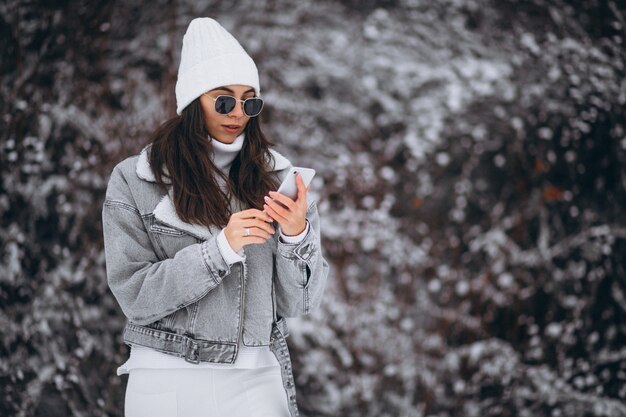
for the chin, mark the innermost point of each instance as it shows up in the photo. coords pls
(228, 139)
(225, 138)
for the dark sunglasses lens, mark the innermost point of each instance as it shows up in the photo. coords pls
(252, 106)
(225, 104)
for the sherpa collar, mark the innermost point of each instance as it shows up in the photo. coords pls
(165, 211)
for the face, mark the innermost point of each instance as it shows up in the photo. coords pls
(226, 127)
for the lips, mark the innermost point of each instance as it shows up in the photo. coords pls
(231, 128)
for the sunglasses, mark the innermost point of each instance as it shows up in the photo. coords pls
(225, 104)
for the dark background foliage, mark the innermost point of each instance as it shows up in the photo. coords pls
(471, 183)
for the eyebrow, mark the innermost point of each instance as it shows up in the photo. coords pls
(231, 91)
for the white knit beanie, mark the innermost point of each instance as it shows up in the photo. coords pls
(211, 57)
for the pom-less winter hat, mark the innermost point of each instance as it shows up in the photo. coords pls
(211, 57)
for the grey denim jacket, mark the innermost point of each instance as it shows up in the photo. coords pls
(178, 293)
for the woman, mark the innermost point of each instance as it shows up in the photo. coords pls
(203, 257)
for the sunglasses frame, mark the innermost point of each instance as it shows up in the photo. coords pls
(243, 103)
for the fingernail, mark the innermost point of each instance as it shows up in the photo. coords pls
(266, 198)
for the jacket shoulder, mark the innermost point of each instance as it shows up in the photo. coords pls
(123, 177)
(127, 166)
(278, 162)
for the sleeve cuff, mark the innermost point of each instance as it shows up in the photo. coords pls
(297, 238)
(229, 255)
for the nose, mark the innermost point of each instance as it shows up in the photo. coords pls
(237, 112)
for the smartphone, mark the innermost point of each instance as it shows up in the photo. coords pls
(289, 186)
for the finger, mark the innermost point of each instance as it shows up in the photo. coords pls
(267, 209)
(244, 214)
(259, 224)
(256, 232)
(254, 213)
(302, 189)
(288, 202)
(276, 216)
(272, 219)
(277, 207)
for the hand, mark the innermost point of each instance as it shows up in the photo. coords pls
(257, 221)
(290, 214)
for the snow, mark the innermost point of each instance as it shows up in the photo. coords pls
(440, 132)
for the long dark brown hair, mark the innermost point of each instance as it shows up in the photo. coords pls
(182, 146)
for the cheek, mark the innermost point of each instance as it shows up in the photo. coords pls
(211, 119)
(208, 110)
(209, 116)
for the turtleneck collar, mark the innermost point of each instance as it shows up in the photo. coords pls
(225, 153)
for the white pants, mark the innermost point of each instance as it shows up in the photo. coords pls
(206, 393)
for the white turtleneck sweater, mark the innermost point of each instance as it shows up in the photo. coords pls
(247, 357)
(224, 155)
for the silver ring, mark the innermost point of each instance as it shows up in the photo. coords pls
(247, 231)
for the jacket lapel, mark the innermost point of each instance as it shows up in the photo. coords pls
(165, 211)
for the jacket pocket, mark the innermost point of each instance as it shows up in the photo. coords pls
(170, 240)
(158, 228)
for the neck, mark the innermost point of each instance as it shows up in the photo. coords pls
(225, 153)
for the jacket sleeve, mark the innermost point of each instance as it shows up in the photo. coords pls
(301, 271)
(146, 288)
